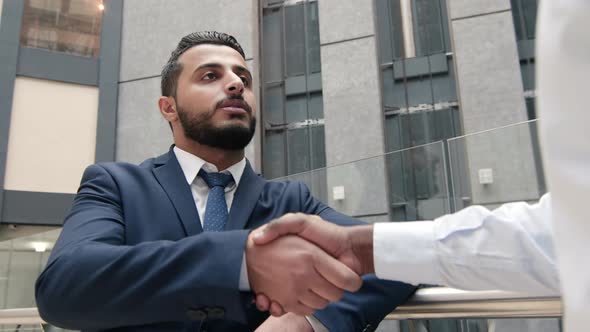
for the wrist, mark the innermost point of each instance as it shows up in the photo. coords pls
(361, 238)
(250, 265)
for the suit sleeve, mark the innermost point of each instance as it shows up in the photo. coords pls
(94, 281)
(365, 309)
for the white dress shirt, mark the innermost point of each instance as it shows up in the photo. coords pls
(191, 165)
(509, 248)
(563, 72)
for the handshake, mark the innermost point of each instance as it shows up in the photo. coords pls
(300, 263)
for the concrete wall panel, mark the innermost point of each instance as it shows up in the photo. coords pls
(153, 28)
(342, 20)
(52, 135)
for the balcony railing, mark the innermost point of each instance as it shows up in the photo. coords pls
(443, 302)
(427, 303)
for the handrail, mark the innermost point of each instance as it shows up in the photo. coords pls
(24, 316)
(443, 302)
(427, 303)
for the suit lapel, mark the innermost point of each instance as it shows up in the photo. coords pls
(245, 198)
(169, 174)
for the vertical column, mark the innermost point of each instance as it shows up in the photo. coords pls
(491, 96)
(108, 80)
(10, 24)
(352, 107)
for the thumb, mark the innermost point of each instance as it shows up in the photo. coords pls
(287, 224)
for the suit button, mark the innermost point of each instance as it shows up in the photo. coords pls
(215, 313)
(369, 328)
(196, 314)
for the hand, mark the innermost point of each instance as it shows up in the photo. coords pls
(352, 246)
(287, 323)
(297, 274)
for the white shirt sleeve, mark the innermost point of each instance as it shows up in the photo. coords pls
(316, 325)
(510, 248)
(244, 283)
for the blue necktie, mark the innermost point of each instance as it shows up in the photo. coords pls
(216, 211)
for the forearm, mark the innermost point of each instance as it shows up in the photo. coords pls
(509, 248)
(286, 323)
(150, 282)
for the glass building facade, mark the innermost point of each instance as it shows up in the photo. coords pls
(292, 109)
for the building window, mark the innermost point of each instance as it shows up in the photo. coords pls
(524, 15)
(417, 71)
(65, 26)
(419, 93)
(292, 106)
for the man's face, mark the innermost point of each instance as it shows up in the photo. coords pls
(214, 97)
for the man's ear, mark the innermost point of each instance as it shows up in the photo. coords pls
(167, 106)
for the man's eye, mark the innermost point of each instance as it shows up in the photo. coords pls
(209, 76)
(245, 80)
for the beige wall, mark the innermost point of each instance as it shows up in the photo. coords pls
(1, 11)
(52, 135)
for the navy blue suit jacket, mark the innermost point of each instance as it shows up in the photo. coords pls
(132, 256)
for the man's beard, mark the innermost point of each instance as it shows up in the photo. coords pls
(200, 128)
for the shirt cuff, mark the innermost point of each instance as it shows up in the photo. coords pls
(244, 285)
(316, 325)
(405, 251)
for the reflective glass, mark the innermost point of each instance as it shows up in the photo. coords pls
(274, 156)
(65, 26)
(295, 40)
(272, 36)
(299, 150)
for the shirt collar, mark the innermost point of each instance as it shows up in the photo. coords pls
(191, 165)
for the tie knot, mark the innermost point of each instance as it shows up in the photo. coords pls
(215, 179)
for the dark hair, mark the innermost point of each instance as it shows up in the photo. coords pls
(172, 69)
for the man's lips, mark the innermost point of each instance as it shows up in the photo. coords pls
(233, 110)
(234, 106)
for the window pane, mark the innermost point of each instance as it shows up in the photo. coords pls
(445, 26)
(273, 105)
(64, 26)
(295, 40)
(274, 154)
(393, 91)
(318, 146)
(397, 29)
(394, 133)
(444, 87)
(296, 108)
(527, 70)
(529, 8)
(419, 91)
(316, 106)
(272, 47)
(299, 154)
(428, 27)
(517, 19)
(384, 31)
(313, 37)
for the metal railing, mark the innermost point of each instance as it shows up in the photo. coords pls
(24, 316)
(443, 302)
(427, 303)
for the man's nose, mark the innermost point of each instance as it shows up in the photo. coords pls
(235, 87)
